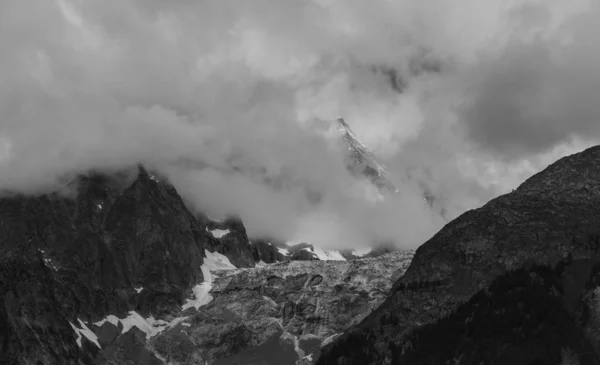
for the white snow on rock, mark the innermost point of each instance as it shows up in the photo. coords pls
(218, 233)
(261, 263)
(114, 320)
(283, 251)
(85, 331)
(135, 320)
(150, 326)
(324, 255)
(215, 261)
(138, 290)
(201, 291)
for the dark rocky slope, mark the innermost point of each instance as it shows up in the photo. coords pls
(232, 241)
(265, 251)
(527, 316)
(64, 259)
(553, 214)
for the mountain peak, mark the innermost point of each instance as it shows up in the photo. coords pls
(362, 160)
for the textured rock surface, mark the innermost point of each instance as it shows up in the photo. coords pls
(362, 161)
(551, 215)
(82, 257)
(233, 243)
(525, 317)
(259, 313)
(265, 251)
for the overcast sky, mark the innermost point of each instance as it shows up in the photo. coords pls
(463, 98)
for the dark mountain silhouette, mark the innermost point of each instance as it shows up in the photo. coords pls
(554, 214)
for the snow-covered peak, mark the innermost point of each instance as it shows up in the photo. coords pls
(362, 160)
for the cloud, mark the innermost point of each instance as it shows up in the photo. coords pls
(459, 100)
(537, 93)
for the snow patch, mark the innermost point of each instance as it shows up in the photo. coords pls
(85, 331)
(114, 320)
(215, 261)
(261, 263)
(135, 320)
(283, 251)
(218, 233)
(138, 290)
(150, 326)
(328, 255)
(201, 291)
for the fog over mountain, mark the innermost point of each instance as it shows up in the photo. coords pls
(228, 99)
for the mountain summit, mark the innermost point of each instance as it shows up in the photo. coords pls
(362, 161)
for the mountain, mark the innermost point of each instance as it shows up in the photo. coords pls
(118, 245)
(117, 270)
(551, 217)
(362, 161)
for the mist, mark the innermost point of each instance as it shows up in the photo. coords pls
(459, 100)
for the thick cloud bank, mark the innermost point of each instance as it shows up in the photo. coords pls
(461, 100)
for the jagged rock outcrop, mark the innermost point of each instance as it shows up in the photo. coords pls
(229, 238)
(362, 161)
(551, 215)
(265, 251)
(257, 315)
(301, 252)
(118, 244)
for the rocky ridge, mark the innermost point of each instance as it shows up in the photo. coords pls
(362, 161)
(121, 243)
(550, 217)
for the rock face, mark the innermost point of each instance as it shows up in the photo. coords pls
(362, 161)
(282, 313)
(64, 259)
(265, 251)
(550, 216)
(302, 252)
(229, 238)
(524, 317)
